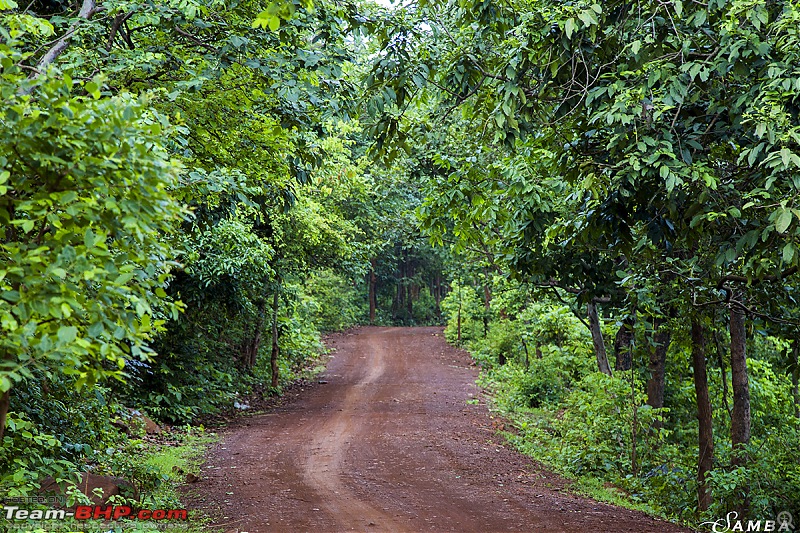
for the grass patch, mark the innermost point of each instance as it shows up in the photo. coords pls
(601, 491)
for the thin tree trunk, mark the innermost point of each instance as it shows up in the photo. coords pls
(259, 329)
(252, 344)
(273, 357)
(398, 304)
(410, 301)
(657, 366)
(796, 378)
(623, 343)
(5, 402)
(373, 282)
(723, 372)
(437, 294)
(487, 304)
(597, 339)
(740, 416)
(634, 426)
(487, 301)
(705, 459)
(527, 355)
(459, 314)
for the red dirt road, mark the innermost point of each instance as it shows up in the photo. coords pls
(389, 444)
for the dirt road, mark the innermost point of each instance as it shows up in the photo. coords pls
(390, 444)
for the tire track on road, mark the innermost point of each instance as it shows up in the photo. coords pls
(324, 464)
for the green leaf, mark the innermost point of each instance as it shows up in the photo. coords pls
(785, 156)
(93, 89)
(783, 221)
(88, 238)
(96, 329)
(788, 252)
(588, 17)
(569, 27)
(67, 334)
(10, 296)
(123, 279)
(699, 18)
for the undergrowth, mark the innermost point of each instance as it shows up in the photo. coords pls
(157, 468)
(539, 372)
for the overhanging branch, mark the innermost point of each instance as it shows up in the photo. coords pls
(743, 279)
(88, 8)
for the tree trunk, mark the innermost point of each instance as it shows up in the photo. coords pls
(597, 339)
(634, 426)
(740, 416)
(251, 347)
(459, 315)
(796, 378)
(527, 355)
(487, 301)
(437, 295)
(273, 357)
(657, 366)
(373, 283)
(487, 304)
(705, 458)
(5, 402)
(398, 304)
(623, 344)
(722, 372)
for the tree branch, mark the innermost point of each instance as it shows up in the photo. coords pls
(196, 40)
(572, 310)
(88, 8)
(743, 279)
(116, 26)
(126, 33)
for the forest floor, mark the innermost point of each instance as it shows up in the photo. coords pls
(391, 439)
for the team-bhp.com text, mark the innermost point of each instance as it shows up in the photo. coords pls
(95, 512)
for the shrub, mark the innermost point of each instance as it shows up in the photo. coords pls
(330, 301)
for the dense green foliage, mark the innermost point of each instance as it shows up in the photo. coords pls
(192, 193)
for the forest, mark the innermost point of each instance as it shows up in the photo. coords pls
(599, 201)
